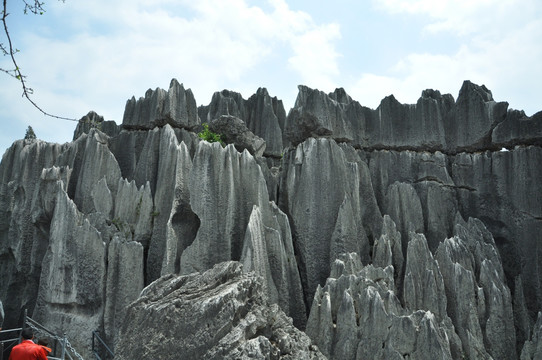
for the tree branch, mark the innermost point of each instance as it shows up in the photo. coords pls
(16, 73)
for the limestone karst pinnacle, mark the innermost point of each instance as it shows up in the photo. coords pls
(404, 231)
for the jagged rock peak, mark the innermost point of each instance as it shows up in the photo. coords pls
(468, 89)
(317, 114)
(94, 121)
(176, 107)
(263, 115)
(432, 94)
(435, 123)
(340, 96)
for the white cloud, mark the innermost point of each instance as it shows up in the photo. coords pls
(315, 57)
(504, 56)
(461, 17)
(108, 51)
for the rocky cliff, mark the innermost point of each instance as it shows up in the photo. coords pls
(406, 231)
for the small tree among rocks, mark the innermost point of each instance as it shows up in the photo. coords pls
(30, 135)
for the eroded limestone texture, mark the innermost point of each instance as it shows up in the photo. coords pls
(84, 226)
(220, 314)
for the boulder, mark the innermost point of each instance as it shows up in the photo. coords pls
(219, 314)
(234, 131)
(262, 114)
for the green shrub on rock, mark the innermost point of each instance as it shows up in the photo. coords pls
(210, 136)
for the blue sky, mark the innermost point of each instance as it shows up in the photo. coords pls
(95, 55)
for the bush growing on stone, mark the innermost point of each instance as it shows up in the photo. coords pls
(210, 136)
(30, 135)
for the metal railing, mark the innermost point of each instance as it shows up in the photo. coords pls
(61, 347)
(100, 348)
(10, 341)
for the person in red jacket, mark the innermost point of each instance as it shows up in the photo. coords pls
(27, 349)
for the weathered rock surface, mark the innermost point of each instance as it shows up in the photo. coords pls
(316, 114)
(22, 245)
(72, 276)
(434, 123)
(171, 200)
(1, 314)
(232, 229)
(263, 115)
(320, 191)
(469, 123)
(460, 295)
(532, 350)
(176, 107)
(97, 163)
(269, 252)
(123, 284)
(93, 120)
(357, 315)
(219, 314)
(223, 207)
(234, 131)
(501, 189)
(122, 206)
(518, 129)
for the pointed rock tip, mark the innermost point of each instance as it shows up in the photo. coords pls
(469, 87)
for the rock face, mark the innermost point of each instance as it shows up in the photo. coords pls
(357, 315)
(219, 314)
(234, 131)
(455, 304)
(93, 120)
(73, 274)
(347, 219)
(176, 107)
(435, 122)
(263, 115)
(321, 194)
(480, 303)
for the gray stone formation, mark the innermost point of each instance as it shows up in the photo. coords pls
(405, 231)
(221, 313)
(234, 131)
(262, 114)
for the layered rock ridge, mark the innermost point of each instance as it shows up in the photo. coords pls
(475, 122)
(349, 219)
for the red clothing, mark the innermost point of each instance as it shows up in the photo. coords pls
(46, 350)
(27, 350)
